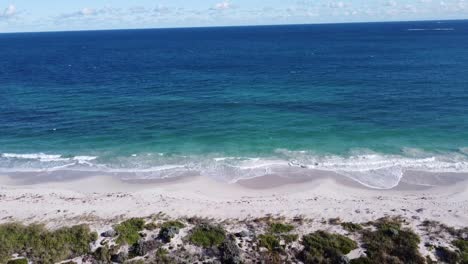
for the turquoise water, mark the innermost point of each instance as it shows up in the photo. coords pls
(369, 101)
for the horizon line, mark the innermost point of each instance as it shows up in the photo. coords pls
(233, 26)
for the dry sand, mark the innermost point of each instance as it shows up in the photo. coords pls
(101, 200)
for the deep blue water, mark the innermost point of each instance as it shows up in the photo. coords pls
(344, 97)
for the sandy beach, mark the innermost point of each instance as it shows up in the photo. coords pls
(102, 200)
(234, 132)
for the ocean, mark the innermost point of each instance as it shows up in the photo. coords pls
(368, 101)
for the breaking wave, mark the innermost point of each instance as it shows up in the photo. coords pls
(374, 170)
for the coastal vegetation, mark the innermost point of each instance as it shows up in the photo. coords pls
(270, 242)
(128, 231)
(41, 245)
(279, 228)
(390, 243)
(163, 240)
(351, 227)
(169, 229)
(18, 261)
(206, 235)
(323, 247)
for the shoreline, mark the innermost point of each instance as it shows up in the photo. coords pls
(99, 200)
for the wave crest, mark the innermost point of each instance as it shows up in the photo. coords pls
(374, 170)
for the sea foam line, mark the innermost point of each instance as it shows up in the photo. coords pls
(46, 157)
(374, 170)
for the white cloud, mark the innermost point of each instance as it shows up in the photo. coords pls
(9, 12)
(223, 5)
(391, 3)
(410, 8)
(338, 4)
(461, 4)
(138, 10)
(87, 11)
(225, 12)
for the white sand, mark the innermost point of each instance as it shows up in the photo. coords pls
(101, 200)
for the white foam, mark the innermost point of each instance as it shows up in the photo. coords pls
(431, 29)
(224, 158)
(47, 157)
(34, 156)
(84, 158)
(375, 170)
(383, 178)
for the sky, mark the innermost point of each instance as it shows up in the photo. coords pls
(64, 15)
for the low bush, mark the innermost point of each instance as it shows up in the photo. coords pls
(129, 231)
(321, 241)
(462, 246)
(351, 227)
(18, 261)
(206, 236)
(40, 245)
(389, 243)
(447, 256)
(270, 242)
(323, 247)
(162, 257)
(289, 238)
(176, 224)
(277, 232)
(279, 228)
(103, 254)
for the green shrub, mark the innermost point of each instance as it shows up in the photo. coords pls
(323, 247)
(151, 226)
(103, 254)
(169, 229)
(389, 243)
(447, 256)
(18, 261)
(351, 227)
(278, 228)
(129, 231)
(269, 242)
(462, 246)
(271, 258)
(206, 236)
(176, 224)
(320, 242)
(43, 246)
(289, 238)
(162, 257)
(361, 260)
